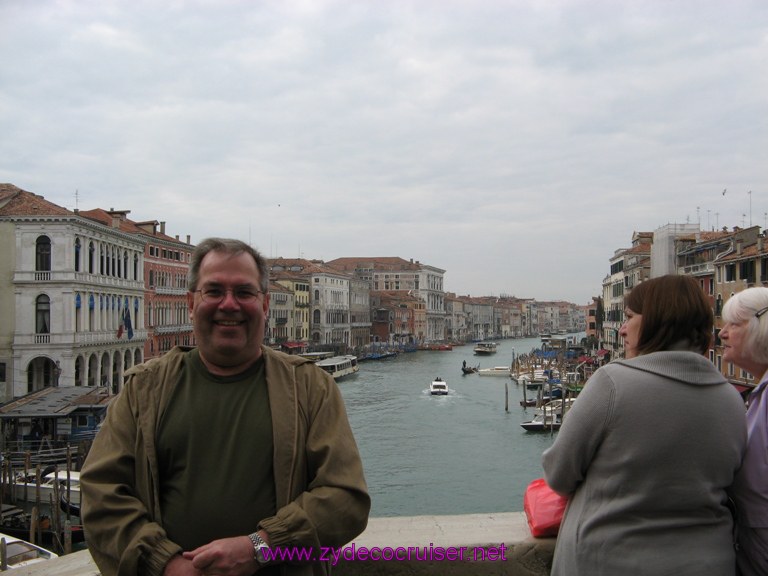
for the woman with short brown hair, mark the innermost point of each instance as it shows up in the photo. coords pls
(649, 448)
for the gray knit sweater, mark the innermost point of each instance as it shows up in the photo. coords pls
(647, 452)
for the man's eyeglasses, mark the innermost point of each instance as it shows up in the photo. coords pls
(761, 312)
(217, 295)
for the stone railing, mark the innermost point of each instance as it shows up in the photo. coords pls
(476, 544)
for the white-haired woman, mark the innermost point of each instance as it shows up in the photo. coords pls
(745, 343)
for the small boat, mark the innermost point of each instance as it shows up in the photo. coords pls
(496, 371)
(25, 486)
(485, 348)
(537, 377)
(439, 346)
(438, 387)
(548, 417)
(378, 356)
(339, 366)
(19, 553)
(71, 508)
(470, 369)
(543, 397)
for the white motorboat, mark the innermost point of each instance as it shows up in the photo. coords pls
(495, 371)
(485, 348)
(438, 387)
(17, 553)
(339, 366)
(25, 487)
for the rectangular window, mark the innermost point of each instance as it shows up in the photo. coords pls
(2, 371)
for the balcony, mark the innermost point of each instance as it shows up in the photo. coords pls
(75, 339)
(170, 291)
(172, 329)
(696, 269)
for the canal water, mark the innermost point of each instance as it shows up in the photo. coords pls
(455, 454)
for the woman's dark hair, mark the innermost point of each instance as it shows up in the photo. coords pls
(674, 312)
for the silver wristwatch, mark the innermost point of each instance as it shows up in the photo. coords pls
(258, 549)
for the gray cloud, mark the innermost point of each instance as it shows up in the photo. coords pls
(514, 144)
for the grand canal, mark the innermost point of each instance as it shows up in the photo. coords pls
(456, 454)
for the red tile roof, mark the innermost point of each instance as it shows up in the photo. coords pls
(17, 202)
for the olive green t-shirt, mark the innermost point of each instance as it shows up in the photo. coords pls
(215, 450)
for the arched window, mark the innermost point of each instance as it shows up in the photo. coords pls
(135, 267)
(43, 254)
(91, 252)
(316, 317)
(125, 264)
(77, 254)
(43, 315)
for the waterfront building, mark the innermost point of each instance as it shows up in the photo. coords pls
(85, 294)
(530, 318)
(663, 255)
(637, 260)
(480, 318)
(512, 318)
(393, 273)
(455, 319)
(613, 296)
(595, 319)
(397, 318)
(359, 312)
(280, 321)
(166, 264)
(329, 291)
(299, 286)
(70, 296)
(743, 265)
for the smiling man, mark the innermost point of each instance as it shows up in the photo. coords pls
(211, 454)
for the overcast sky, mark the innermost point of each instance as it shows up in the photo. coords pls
(514, 144)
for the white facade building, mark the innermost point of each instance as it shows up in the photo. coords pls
(71, 294)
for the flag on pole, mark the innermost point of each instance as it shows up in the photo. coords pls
(120, 329)
(127, 322)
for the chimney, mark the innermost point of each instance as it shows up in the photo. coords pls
(162, 227)
(760, 240)
(738, 246)
(188, 239)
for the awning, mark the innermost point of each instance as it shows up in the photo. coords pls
(292, 345)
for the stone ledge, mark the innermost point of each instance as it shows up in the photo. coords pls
(480, 536)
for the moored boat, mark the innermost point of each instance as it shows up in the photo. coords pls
(549, 417)
(339, 366)
(25, 486)
(485, 348)
(495, 371)
(19, 553)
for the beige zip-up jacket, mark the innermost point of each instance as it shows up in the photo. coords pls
(322, 497)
